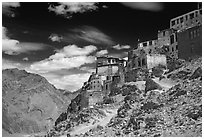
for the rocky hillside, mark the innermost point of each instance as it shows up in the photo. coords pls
(170, 106)
(30, 104)
(176, 112)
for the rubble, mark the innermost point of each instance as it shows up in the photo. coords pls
(151, 85)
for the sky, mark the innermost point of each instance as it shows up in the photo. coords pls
(60, 41)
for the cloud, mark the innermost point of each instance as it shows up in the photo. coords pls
(57, 69)
(8, 64)
(61, 63)
(147, 6)
(8, 8)
(14, 47)
(66, 9)
(73, 50)
(70, 82)
(90, 34)
(55, 38)
(69, 57)
(120, 47)
(101, 53)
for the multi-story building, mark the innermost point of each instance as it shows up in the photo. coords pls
(190, 42)
(109, 68)
(95, 82)
(140, 59)
(148, 46)
(184, 21)
(167, 43)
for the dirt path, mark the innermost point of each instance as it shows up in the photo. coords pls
(102, 122)
(165, 83)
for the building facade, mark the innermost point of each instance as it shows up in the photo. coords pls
(95, 82)
(184, 21)
(190, 42)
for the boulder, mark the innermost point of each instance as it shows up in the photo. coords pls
(151, 85)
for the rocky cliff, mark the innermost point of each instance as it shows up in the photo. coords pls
(30, 104)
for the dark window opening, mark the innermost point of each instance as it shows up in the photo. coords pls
(181, 19)
(177, 21)
(150, 42)
(196, 14)
(172, 39)
(143, 62)
(191, 15)
(90, 95)
(173, 22)
(144, 44)
(163, 33)
(200, 11)
(109, 60)
(139, 63)
(176, 47)
(186, 17)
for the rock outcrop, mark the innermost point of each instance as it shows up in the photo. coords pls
(30, 104)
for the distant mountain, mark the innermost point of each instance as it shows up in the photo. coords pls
(30, 104)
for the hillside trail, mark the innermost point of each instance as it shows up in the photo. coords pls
(83, 128)
(165, 83)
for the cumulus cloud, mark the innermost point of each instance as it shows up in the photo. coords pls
(8, 64)
(120, 47)
(71, 82)
(69, 57)
(66, 9)
(8, 8)
(148, 6)
(55, 38)
(73, 50)
(102, 52)
(91, 34)
(61, 63)
(14, 47)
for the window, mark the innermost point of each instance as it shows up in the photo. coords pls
(173, 22)
(191, 15)
(150, 42)
(145, 44)
(143, 62)
(139, 63)
(196, 14)
(176, 47)
(172, 39)
(109, 60)
(186, 17)
(177, 21)
(172, 49)
(200, 11)
(181, 19)
(163, 33)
